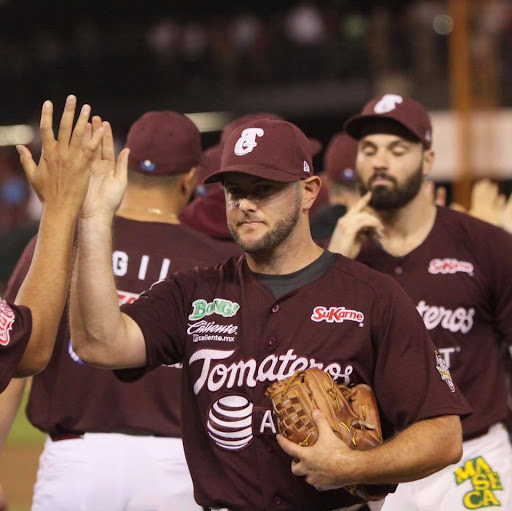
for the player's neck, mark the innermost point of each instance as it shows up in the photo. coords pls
(151, 206)
(408, 227)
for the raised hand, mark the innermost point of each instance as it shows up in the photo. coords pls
(354, 227)
(487, 203)
(61, 177)
(108, 175)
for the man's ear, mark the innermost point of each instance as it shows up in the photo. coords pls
(311, 187)
(428, 162)
(189, 182)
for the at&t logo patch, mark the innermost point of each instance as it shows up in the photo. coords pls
(337, 315)
(230, 422)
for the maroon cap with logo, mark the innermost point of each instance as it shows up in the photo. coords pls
(163, 143)
(403, 110)
(269, 148)
(212, 156)
(340, 159)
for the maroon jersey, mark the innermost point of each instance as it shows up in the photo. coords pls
(460, 279)
(234, 339)
(70, 397)
(15, 330)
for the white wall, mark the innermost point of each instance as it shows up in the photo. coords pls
(490, 149)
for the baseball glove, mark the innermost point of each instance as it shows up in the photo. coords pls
(351, 412)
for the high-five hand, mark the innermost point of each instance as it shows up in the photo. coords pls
(61, 178)
(108, 175)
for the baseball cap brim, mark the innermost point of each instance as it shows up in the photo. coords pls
(355, 125)
(271, 174)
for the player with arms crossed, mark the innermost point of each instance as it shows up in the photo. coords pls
(284, 305)
(457, 271)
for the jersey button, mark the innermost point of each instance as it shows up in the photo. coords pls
(275, 308)
(278, 500)
(269, 448)
(272, 341)
(399, 270)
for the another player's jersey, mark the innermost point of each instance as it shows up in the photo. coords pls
(460, 279)
(70, 397)
(15, 330)
(234, 339)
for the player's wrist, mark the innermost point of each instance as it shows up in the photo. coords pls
(97, 216)
(62, 212)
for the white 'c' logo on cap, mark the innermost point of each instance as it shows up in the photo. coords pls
(247, 141)
(387, 103)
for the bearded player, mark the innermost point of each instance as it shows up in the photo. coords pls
(284, 305)
(457, 271)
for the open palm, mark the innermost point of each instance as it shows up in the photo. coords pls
(108, 175)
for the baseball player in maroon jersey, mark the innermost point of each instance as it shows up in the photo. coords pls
(285, 305)
(27, 329)
(340, 178)
(457, 271)
(120, 444)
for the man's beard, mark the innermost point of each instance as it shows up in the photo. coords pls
(273, 238)
(396, 197)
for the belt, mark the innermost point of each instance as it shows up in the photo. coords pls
(64, 436)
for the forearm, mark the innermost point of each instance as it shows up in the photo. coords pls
(95, 318)
(10, 400)
(45, 287)
(419, 451)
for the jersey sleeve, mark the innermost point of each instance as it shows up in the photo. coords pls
(15, 330)
(160, 314)
(412, 382)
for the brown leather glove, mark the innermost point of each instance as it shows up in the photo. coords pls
(352, 413)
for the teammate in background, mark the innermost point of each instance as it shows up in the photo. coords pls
(282, 306)
(341, 180)
(487, 203)
(457, 271)
(120, 444)
(27, 328)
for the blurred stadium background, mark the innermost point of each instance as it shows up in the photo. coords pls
(315, 63)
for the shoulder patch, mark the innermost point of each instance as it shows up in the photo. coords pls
(7, 319)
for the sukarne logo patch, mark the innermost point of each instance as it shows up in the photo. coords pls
(449, 266)
(336, 315)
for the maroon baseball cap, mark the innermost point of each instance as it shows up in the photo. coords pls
(340, 158)
(212, 156)
(163, 143)
(269, 148)
(407, 112)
